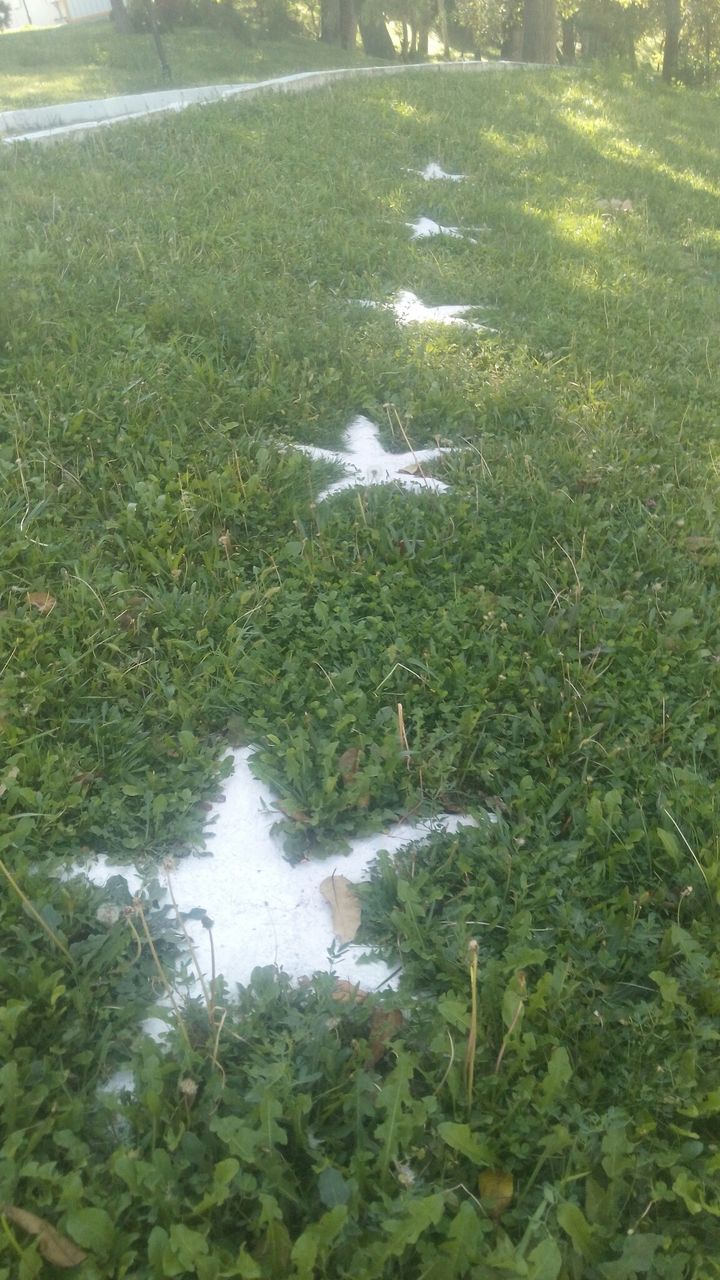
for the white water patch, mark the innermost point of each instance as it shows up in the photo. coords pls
(424, 228)
(409, 309)
(366, 462)
(265, 911)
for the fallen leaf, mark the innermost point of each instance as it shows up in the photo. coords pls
(346, 992)
(412, 469)
(41, 600)
(10, 776)
(345, 907)
(55, 1248)
(348, 764)
(496, 1191)
(295, 815)
(129, 616)
(384, 1025)
(699, 543)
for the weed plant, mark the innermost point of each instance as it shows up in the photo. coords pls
(177, 304)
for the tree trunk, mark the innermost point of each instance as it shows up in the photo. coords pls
(120, 17)
(374, 34)
(568, 41)
(330, 21)
(671, 51)
(539, 31)
(511, 47)
(348, 24)
(442, 22)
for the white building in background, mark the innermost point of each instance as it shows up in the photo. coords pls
(48, 13)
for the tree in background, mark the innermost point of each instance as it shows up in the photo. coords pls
(701, 39)
(684, 34)
(539, 31)
(120, 16)
(671, 48)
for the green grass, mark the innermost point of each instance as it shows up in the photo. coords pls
(90, 60)
(176, 307)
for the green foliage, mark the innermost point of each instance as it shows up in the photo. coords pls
(549, 625)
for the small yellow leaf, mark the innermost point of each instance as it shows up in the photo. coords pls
(41, 600)
(496, 1191)
(345, 907)
(55, 1248)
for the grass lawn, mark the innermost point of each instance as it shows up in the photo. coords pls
(178, 304)
(90, 60)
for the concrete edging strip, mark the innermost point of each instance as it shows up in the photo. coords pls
(46, 124)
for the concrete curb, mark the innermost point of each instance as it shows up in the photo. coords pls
(74, 119)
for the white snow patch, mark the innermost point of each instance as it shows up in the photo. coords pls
(434, 173)
(409, 309)
(367, 462)
(423, 228)
(265, 911)
(122, 1081)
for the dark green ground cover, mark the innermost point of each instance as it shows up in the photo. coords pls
(176, 307)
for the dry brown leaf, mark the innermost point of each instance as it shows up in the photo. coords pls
(348, 992)
(496, 1191)
(384, 1025)
(10, 776)
(41, 600)
(412, 469)
(295, 815)
(345, 907)
(699, 543)
(55, 1248)
(128, 618)
(348, 764)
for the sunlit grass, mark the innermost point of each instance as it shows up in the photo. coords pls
(90, 60)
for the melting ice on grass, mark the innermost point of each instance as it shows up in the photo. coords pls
(366, 462)
(264, 911)
(410, 310)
